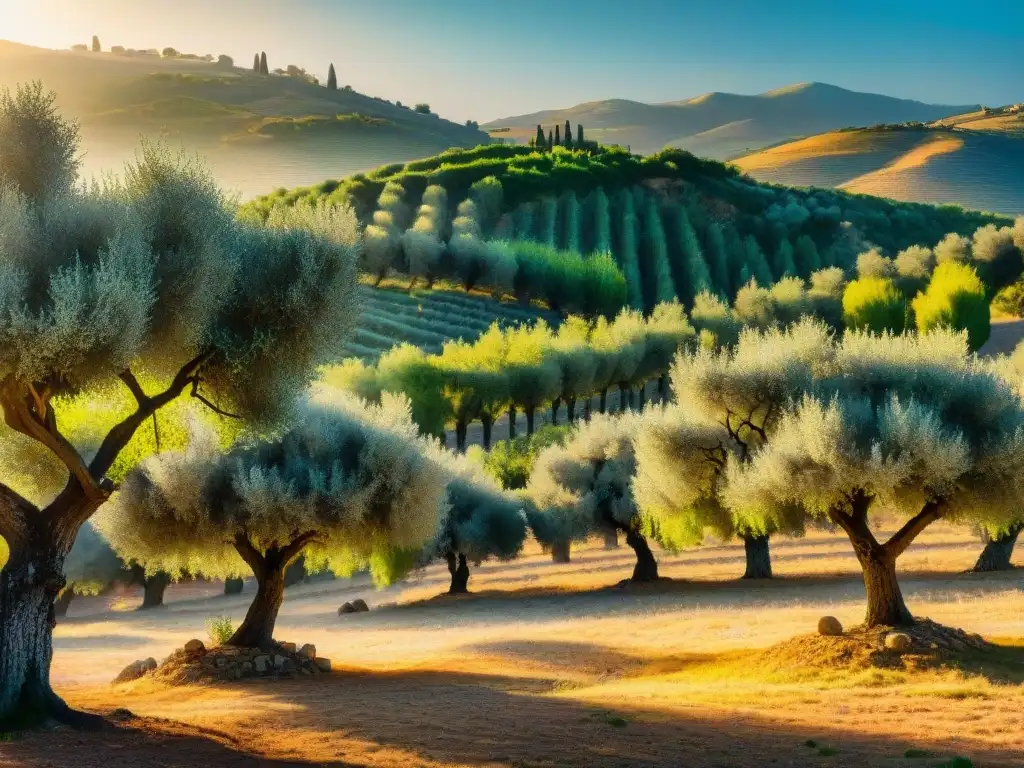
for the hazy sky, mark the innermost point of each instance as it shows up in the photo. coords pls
(485, 59)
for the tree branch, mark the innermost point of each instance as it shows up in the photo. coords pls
(207, 403)
(119, 436)
(133, 386)
(294, 549)
(27, 412)
(905, 536)
(252, 556)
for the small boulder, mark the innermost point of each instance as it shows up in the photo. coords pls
(346, 608)
(898, 641)
(194, 646)
(829, 626)
(134, 671)
(360, 605)
(260, 663)
(308, 651)
(324, 665)
(287, 647)
(279, 661)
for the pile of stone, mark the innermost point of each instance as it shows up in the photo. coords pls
(924, 636)
(196, 663)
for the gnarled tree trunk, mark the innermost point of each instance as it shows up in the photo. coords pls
(233, 586)
(257, 629)
(560, 552)
(461, 428)
(759, 559)
(459, 570)
(529, 420)
(570, 410)
(512, 422)
(588, 407)
(646, 568)
(153, 591)
(998, 551)
(556, 405)
(603, 402)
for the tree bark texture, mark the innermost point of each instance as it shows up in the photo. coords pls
(60, 607)
(998, 552)
(759, 559)
(560, 552)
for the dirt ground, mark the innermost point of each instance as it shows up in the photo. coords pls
(546, 665)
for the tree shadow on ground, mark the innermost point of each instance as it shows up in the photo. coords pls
(435, 718)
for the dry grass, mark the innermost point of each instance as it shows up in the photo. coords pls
(919, 156)
(547, 665)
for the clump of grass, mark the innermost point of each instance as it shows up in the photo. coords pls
(220, 629)
(916, 753)
(616, 722)
(828, 751)
(811, 743)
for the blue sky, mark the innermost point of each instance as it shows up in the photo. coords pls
(484, 59)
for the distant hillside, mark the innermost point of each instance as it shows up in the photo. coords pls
(726, 125)
(982, 170)
(257, 132)
(1008, 120)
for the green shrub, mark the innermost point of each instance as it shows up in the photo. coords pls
(955, 298)
(511, 461)
(874, 304)
(220, 629)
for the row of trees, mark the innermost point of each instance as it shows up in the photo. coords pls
(524, 369)
(557, 138)
(793, 428)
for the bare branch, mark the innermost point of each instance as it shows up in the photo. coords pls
(905, 536)
(133, 386)
(294, 549)
(252, 556)
(119, 436)
(208, 404)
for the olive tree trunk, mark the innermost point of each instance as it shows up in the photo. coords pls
(461, 428)
(512, 422)
(759, 559)
(459, 570)
(625, 397)
(603, 402)
(588, 407)
(257, 628)
(560, 552)
(641, 397)
(998, 551)
(487, 421)
(529, 420)
(646, 568)
(556, 406)
(570, 410)
(153, 590)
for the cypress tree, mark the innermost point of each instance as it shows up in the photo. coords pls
(548, 221)
(784, 265)
(579, 135)
(569, 239)
(568, 134)
(602, 222)
(551, 139)
(806, 256)
(656, 252)
(540, 141)
(756, 264)
(332, 79)
(256, 63)
(718, 259)
(558, 138)
(628, 259)
(264, 69)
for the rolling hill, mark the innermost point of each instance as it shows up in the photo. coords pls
(256, 132)
(726, 125)
(979, 169)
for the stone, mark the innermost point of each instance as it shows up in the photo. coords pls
(324, 665)
(308, 651)
(287, 647)
(829, 626)
(360, 605)
(247, 667)
(220, 661)
(898, 641)
(346, 608)
(279, 661)
(135, 670)
(194, 646)
(260, 663)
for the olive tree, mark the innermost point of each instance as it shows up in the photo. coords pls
(143, 274)
(534, 377)
(91, 566)
(590, 478)
(915, 425)
(382, 240)
(742, 392)
(423, 243)
(578, 364)
(347, 486)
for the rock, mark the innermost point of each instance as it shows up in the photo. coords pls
(260, 663)
(135, 670)
(247, 667)
(360, 605)
(346, 608)
(220, 661)
(308, 651)
(324, 665)
(898, 641)
(829, 626)
(279, 661)
(194, 646)
(287, 647)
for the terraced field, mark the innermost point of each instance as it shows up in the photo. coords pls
(974, 169)
(429, 318)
